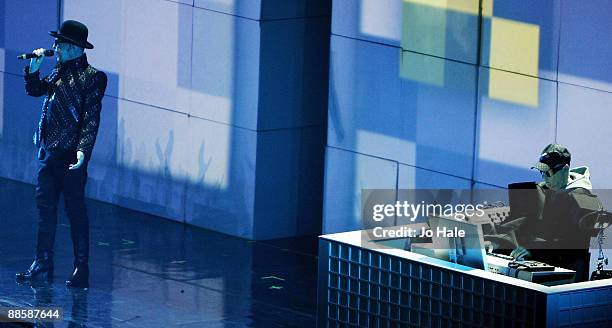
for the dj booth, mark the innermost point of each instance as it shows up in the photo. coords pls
(367, 284)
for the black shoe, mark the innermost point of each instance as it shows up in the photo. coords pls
(79, 278)
(40, 270)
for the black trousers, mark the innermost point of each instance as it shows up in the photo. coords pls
(54, 178)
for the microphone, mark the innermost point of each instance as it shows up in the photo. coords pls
(48, 53)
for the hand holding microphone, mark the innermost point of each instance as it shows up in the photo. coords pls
(36, 58)
(46, 53)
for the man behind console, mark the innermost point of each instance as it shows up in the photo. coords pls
(558, 236)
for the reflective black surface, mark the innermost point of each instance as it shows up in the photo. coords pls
(151, 272)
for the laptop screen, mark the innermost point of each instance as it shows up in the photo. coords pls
(525, 199)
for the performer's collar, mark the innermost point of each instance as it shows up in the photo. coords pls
(79, 62)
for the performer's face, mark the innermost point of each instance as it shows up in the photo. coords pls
(62, 51)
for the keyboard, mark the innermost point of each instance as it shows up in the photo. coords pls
(532, 271)
(493, 216)
(497, 215)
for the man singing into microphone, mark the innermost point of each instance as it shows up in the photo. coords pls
(65, 136)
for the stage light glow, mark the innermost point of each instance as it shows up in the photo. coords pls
(374, 18)
(363, 179)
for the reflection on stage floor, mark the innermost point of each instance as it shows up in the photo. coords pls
(147, 271)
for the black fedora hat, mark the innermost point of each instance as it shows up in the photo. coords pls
(73, 32)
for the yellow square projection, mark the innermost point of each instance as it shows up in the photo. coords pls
(424, 26)
(514, 46)
(422, 68)
(463, 6)
(487, 8)
(514, 88)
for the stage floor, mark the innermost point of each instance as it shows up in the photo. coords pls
(148, 271)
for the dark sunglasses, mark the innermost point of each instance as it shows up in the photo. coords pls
(547, 173)
(58, 42)
(552, 171)
(549, 158)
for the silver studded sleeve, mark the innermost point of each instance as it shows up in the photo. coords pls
(91, 113)
(34, 86)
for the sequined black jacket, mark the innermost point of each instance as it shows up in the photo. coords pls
(71, 110)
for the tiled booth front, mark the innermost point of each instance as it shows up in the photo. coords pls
(362, 285)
